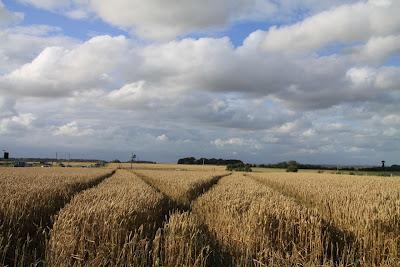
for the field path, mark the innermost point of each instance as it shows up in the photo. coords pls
(181, 205)
(181, 198)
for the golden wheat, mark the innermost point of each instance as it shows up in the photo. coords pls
(182, 242)
(257, 226)
(368, 208)
(166, 167)
(29, 198)
(105, 225)
(181, 186)
(166, 217)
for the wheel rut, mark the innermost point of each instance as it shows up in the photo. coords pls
(215, 258)
(341, 239)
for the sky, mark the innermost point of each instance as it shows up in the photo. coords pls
(317, 81)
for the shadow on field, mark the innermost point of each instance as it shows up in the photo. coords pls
(339, 243)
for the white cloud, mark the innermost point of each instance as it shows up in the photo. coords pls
(22, 44)
(286, 128)
(59, 71)
(344, 24)
(361, 76)
(380, 78)
(391, 119)
(72, 129)
(309, 133)
(237, 142)
(231, 141)
(19, 122)
(162, 138)
(268, 106)
(160, 20)
(377, 49)
(135, 96)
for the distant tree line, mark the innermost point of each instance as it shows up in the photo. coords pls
(292, 164)
(52, 159)
(391, 168)
(136, 161)
(205, 161)
(239, 167)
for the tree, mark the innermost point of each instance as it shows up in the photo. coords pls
(292, 166)
(239, 167)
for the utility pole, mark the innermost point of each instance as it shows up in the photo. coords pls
(133, 157)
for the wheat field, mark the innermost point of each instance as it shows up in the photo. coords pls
(173, 215)
(29, 199)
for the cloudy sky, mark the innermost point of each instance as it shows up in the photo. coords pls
(316, 81)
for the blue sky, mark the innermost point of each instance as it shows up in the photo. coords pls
(263, 81)
(85, 28)
(80, 29)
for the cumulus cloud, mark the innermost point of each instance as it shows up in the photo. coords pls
(377, 49)
(160, 20)
(21, 44)
(157, 19)
(162, 138)
(73, 129)
(371, 18)
(206, 95)
(20, 122)
(58, 71)
(380, 78)
(237, 142)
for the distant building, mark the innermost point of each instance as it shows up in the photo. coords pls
(6, 155)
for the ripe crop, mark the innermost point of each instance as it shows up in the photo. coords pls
(171, 215)
(181, 186)
(105, 225)
(367, 208)
(29, 199)
(254, 225)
